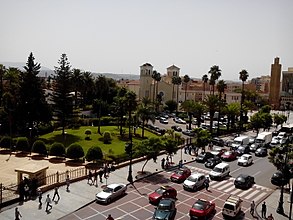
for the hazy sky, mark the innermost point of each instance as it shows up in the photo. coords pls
(119, 36)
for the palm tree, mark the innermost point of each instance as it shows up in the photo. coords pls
(212, 102)
(174, 78)
(2, 72)
(205, 80)
(243, 76)
(232, 111)
(221, 86)
(188, 106)
(157, 77)
(177, 81)
(199, 109)
(215, 74)
(186, 80)
(145, 113)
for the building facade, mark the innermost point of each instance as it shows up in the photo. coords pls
(274, 95)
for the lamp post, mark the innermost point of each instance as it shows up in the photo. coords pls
(280, 209)
(30, 141)
(129, 149)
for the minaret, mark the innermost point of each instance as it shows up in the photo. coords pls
(146, 71)
(275, 84)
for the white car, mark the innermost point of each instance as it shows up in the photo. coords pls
(111, 192)
(245, 160)
(275, 141)
(194, 181)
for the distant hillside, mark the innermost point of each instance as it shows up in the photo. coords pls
(45, 71)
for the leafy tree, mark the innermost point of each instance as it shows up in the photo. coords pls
(107, 137)
(39, 147)
(119, 107)
(2, 72)
(215, 74)
(63, 103)
(22, 144)
(87, 89)
(199, 109)
(170, 105)
(202, 138)
(149, 149)
(76, 83)
(5, 142)
(186, 80)
(74, 151)
(265, 109)
(57, 149)
(94, 154)
(171, 147)
(256, 121)
(131, 105)
(279, 119)
(32, 107)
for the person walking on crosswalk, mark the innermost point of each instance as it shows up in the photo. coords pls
(252, 207)
(207, 183)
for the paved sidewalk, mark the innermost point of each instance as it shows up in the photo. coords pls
(81, 194)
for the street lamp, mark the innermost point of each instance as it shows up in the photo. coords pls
(128, 149)
(284, 170)
(30, 129)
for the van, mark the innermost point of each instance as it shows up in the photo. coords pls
(242, 140)
(220, 171)
(264, 139)
(232, 207)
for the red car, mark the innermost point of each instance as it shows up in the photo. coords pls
(202, 209)
(162, 192)
(180, 175)
(229, 155)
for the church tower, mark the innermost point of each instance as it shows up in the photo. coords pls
(146, 71)
(275, 84)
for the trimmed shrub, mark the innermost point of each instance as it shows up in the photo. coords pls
(74, 151)
(39, 147)
(22, 144)
(107, 137)
(57, 149)
(6, 142)
(94, 154)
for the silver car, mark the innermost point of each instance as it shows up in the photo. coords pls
(111, 192)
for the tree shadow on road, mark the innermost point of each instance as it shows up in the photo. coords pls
(155, 179)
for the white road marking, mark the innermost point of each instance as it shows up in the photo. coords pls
(245, 192)
(252, 194)
(259, 197)
(225, 186)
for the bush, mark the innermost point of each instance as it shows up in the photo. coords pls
(57, 149)
(74, 151)
(22, 144)
(45, 128)
(39, 147)
(94, 153)
(6, 142)
(107, 137)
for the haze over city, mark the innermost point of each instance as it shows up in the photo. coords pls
(119, 36)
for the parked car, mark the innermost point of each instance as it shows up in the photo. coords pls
(251, 140)
(244, 181)
(202, 157)
(202, 209)
(218, 141)
(179, 120)
(194, 181)
(218, 151)
(278, 179)
(180, 175)
(212, 162)
(229, 156)
(232, 207)
(188, 132)
(111, 192)
(245, 160)
(165, 210)
(261, 152)
(275, 141)
(162, 192)
(164, 120)
(243, 149)
(176, 128)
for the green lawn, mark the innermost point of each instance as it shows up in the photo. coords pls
(116, 147)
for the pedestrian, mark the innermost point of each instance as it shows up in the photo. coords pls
(207, 183)
(95, 178)
(252, 207)
(106, 170)
(180, 164)
(17, 214)
(270, 217)
(67, 183)
(264, 210)
(189, 150)
(100, 173)
(90, 177)
(110, 217)
(112, 167)
(26, 192)
(163, 163)
(40, 195)
(48, 201)
(56, 193)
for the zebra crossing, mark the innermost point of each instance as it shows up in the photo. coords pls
(257, 192)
